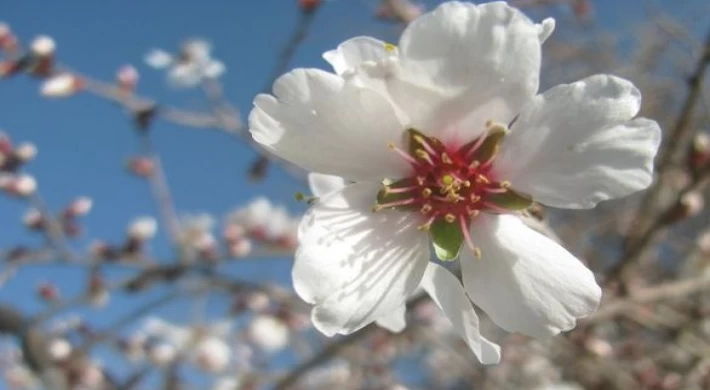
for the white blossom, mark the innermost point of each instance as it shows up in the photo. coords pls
(444, 141)
(143, 228)
(268, 333)
(61, 85)
(212, 354)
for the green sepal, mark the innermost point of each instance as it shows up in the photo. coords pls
(489, 147)
(447, 239)
(511, 200)
(384, 197)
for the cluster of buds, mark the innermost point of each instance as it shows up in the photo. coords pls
(68, 219)
(39, 61)
(139, 232)
(190, 66)
(12, 158)
(196, 238)
(399, 11)
(264, 223)
(8, 40)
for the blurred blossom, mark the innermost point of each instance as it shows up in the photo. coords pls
(134, 347)
(336, 375)
(33, 219)
(226, 383)
(265, 223)
(399, 11)
(190, 66)
(141, 166)
(309, 5)
(258, 301)
(59, 349)
(162, 354)
(127, 78)
(21, 186)
(212, 355)
(48, 291)
(143, 228)
(26, 152)
(43, 46)
(62, 85)
(196, 234)
(79, 207)
(699, 155)
(268, 333)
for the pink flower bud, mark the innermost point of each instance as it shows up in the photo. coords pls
(79, 207)
(309, 6)
(26, 152)
(5, 144)
(699, 155)
(141, 166)
(5, 30)
(143, 228)
(62, 85)
(240, 248)
(127, 78)
(43, 46)
(20, 186)
(9, 68)
(33, 220)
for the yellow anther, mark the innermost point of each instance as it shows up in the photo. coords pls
(392, 146)
(426, 208)
(390, 47)
(473, 213)
(477, 253)
(447, 180)
(446, 159)
(475, 164)
(426, 193)
(419, 139)
(505, 184)
(421, 180)
(475, 198)
(387, 189)
(467, 183)
(450, 218)
(482, 179)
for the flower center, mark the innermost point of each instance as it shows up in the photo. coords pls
(451, 186)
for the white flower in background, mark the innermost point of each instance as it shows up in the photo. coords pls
(226, 383)
(43, 46)
(196, 232)
(59, 349)
(334, 376)
(162, 354)
(190, 66)
(268, 333)
(265, 221)
(448, 138)
(143, 228)
(212, 355)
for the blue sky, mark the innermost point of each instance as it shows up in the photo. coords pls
(83, 142)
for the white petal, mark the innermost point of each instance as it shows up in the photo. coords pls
(355, 51)
(214, 69)
(159, 59)
(395, 321)
(448, 293)
(473, 53)
(526, 282)
(318, 121)
(184, 75)
(357, 266)
(576, 144)
(546, 28)
(322, 185)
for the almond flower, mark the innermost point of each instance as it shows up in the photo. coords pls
(445, 141)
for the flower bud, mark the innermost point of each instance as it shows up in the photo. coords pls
(5, 30)
(309, 6)
(240, 248)
(699, 155)
(5, 144)
(48, 292)
(688, 206)
(98, 294)
(9, 68)
(257, 301)
(79, 207)
(21, 186)
(102, 250)
(233, 232)
(141, 166)
(399, 11)
(134, 347)
(26, 152)
(62, 85)
(162, 354)
(33, 220)
(127, 78)
(268, 333)
(143, 229)
(59, 349)
(43, 46)
(212, 355)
